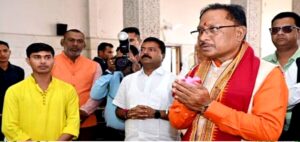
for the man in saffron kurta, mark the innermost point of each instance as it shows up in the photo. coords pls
(79, 71)
(240, 96)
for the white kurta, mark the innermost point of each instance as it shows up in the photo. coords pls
(153, 91)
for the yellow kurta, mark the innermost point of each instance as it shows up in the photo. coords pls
(30, 113)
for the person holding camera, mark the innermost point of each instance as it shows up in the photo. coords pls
(134, 36)
(106, 87)
(105, 52)
(144, 97)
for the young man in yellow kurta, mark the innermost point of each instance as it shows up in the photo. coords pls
(41, 107)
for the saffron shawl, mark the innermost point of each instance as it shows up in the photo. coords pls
(233, 88)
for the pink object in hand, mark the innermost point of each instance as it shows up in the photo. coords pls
(191, 80)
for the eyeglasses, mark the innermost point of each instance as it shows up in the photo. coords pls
(211, 30)
(285, 29)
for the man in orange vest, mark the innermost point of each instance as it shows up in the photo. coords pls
(70, 66)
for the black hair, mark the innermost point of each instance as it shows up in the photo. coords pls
(4, 43)
(37, 47)
(161, 44)
(236, 13)
(102, 46)
(288, 14)
(132, 30)
(133, 50)
(72, 30)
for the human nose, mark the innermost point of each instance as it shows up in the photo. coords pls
(144, 51)
(280, 31)
(43, 60)
(204, 35)
(75, 42)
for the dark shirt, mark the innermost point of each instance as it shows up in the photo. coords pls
(103, 65)
(12, 75)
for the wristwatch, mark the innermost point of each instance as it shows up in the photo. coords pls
(157, 114)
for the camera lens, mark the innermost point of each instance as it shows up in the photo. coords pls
(122, 62)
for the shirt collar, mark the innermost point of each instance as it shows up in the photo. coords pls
(274, 58)
(158, 71)
(9, 66)
(295, 56)
(224, 64)
(32, 80)
(68, 59)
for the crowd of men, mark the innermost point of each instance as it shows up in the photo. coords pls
(230, 94)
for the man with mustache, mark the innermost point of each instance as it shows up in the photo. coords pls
(240, 97)
(41, 107)
(70, 66)
(144, 97)
(285, 33)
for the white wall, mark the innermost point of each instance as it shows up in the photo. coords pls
(27, 21)
(180, 18)
(39, 17)
(106, 21)
(270, 8)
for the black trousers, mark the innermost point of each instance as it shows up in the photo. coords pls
(293, 133)
(114, 134)
(1, 134)
(105, 133)
(87, 134)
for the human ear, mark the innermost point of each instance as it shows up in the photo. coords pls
(27, 61)
(62, 42)
(163, 56)
(241, 33)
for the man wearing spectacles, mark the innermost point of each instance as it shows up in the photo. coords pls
(285, 32)
(239, 96)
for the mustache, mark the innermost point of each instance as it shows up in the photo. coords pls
(204, 44)
(144, 56)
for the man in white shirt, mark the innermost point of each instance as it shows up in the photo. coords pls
(144, 97)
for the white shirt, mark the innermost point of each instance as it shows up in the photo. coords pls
(214, 73)
(154, 91)
(294, 91)
(294, 87)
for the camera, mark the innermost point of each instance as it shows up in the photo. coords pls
(123, 61)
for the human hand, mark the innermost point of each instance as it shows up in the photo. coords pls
(83, 115)
(135, 62)
(140, 112)
(193, 95)
(111, 65)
